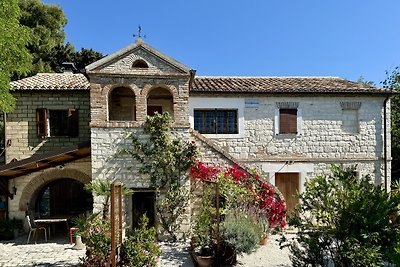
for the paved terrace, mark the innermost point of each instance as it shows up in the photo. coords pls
(58, 252)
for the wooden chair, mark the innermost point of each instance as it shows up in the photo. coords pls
(33, 229)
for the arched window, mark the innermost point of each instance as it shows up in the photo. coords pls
(140, 64)
(160, 100)
(121, 105)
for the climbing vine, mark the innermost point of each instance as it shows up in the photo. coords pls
(166, 159)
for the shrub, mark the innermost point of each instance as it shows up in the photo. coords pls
(97, 238)
(240, 231)
(141, 248)
(346, 219)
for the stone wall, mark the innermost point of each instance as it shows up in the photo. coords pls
(323, 138)
(29, 185)
(108, 163)
(21, 132)
(141, 86)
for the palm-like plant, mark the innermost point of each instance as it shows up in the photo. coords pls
(102, 187)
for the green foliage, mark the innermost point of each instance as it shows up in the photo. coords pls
(240, 231)
(14, 57)
(67, 53)
(392, 82)
(166, 160)
(362, 80)
(171, 206)
(46, 22)
(203, 225)
(346, 219)
(102, 187)
(141, 248)
(97, 238)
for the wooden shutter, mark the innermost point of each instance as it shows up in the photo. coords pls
(41, 122)
(73, 122)
(288, 121)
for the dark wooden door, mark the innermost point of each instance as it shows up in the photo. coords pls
(151, 110)
(143, 203)
(288, 184)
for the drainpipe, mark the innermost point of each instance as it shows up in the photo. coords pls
(385, 141)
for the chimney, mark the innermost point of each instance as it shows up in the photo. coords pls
(68, 67)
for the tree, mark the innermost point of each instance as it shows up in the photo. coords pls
(392, 82)
(362, 80)
(67, 53)
(14, 57)
(345, 219)
(46, 22)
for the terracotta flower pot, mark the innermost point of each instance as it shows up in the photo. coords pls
(264, 240)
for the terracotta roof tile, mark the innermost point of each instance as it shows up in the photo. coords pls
(281, 85)
(52, 81)
(69, 81)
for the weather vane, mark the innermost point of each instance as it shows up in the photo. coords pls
(139, 33)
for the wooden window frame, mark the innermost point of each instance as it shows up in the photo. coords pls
(215, 127)
(43, 129)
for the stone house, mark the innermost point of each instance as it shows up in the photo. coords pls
(67, 127)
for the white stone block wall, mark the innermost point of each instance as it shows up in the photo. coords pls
(323, 138)
(108, 163)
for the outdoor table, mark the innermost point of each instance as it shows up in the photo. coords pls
(49, 221)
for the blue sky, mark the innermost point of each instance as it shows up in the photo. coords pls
(345, 38)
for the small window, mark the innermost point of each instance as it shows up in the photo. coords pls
(216, 121)
(350, 121)
(140, 64)
(57, 122)
(288, 121)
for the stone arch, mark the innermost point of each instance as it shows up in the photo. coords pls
(121, 103)
(34, 185)
(109, 87)
(149, 87)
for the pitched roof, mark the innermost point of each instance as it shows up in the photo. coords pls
(53, 81)
(281, 85)
(139, 43)
(206, 84)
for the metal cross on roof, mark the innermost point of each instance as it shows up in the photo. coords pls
(139, 33)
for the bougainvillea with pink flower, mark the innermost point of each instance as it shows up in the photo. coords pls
(265, 196)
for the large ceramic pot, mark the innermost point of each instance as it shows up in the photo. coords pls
(204, 261)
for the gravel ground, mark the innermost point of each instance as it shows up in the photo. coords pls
(269, 255)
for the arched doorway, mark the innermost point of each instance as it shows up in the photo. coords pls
(121, 105)
(160, 100)
(62, 197)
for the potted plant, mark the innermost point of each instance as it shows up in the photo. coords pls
(202, 238)
(240, 233)
(7, 228)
